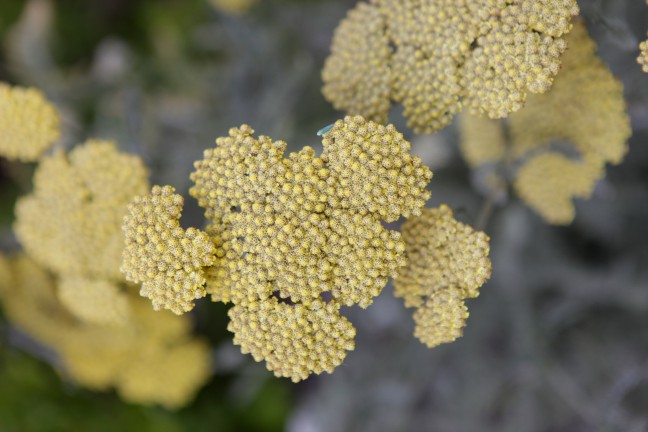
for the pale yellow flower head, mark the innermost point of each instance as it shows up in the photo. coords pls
(95, 301)
(94, 356)
(84, 312)
(29, 123)
(357, 76)
(161, 255)
(299, 226)
(29, 300)
(167, 375)
(482, 140)
(586, 107)
(447, 263)
(71, 221)
(550, 181)
(441, 55)
(294, 340)
(151, 359)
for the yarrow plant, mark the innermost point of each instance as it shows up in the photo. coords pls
(66, 290)
(107, 277)
(434, 57)
(284, 231)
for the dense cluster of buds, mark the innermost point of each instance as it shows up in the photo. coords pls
(585, 110)
(447, 263)
(30, 124)
(288, 230)
(434, 57)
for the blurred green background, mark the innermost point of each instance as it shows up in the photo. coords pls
(558, 340)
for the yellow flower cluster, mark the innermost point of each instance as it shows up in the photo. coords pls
(447, 263)
(304, 225)
(297, 227)
(643, 55)
(294, 340)
(29, 124)
(29, 300)
(94, 300)
(167, 259)
(169, 374)
(153, 359)
(585, 109)
(485, 54)
(71, 222)
(549, 181)
(357, 75)
(482, 140)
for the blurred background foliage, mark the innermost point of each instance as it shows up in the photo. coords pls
(558, 340)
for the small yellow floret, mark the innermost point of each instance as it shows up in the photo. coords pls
(643, 55)
(441, 318)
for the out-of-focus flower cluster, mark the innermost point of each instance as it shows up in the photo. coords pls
(70, 224)
(71, 221)
(67, 291)
(152, 359)
(29, 123)
(287, 230)
(447, 262)
(585, 111)
(435, 56)
(643, 55)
